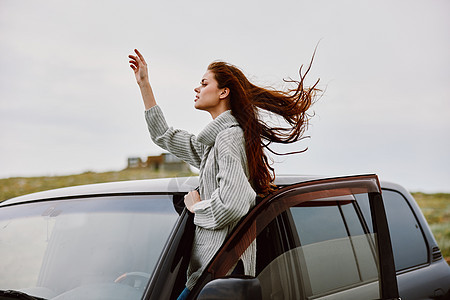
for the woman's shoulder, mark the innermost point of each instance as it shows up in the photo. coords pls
(230, 133)
(231, 140)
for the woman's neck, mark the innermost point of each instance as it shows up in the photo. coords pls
(219, 109)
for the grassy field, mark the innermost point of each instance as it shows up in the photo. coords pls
(435, 207)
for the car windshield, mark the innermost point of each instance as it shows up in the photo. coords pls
(87, 248)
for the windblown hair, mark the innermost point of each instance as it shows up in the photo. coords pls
(246, 101)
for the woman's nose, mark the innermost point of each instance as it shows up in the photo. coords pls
(197, 90)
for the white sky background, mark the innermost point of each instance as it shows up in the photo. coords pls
(69, 102)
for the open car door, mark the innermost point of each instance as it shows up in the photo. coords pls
(313, 242)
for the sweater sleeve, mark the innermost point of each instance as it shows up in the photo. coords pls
(234, 196)
(178, 142)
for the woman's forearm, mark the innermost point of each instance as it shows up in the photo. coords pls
(147, 94)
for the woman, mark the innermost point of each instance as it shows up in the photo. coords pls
(229, 152)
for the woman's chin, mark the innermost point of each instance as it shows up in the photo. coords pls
(197, 106)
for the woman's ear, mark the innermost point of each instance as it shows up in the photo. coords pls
(224, 93)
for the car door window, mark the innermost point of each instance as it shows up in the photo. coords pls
(408, 242)
(334, 254)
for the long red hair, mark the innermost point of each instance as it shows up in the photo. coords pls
(246, 99)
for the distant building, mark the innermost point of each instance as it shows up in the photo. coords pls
(163, 162)
(135, 162)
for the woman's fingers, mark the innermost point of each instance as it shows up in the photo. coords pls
(188, 201)
(135, 63)
(140, 56)
(135, 59)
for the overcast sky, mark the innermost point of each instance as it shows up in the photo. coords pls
(69, 102)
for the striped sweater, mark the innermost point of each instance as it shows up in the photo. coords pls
(226, 194)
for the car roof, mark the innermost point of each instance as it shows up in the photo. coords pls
(145, 186)
(160, 185)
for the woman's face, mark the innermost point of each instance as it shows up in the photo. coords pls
(208, 96)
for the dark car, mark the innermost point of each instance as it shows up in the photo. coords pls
(316, 238)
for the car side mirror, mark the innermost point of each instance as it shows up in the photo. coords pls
(232, 288)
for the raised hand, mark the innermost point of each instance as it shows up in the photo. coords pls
(139, 66)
